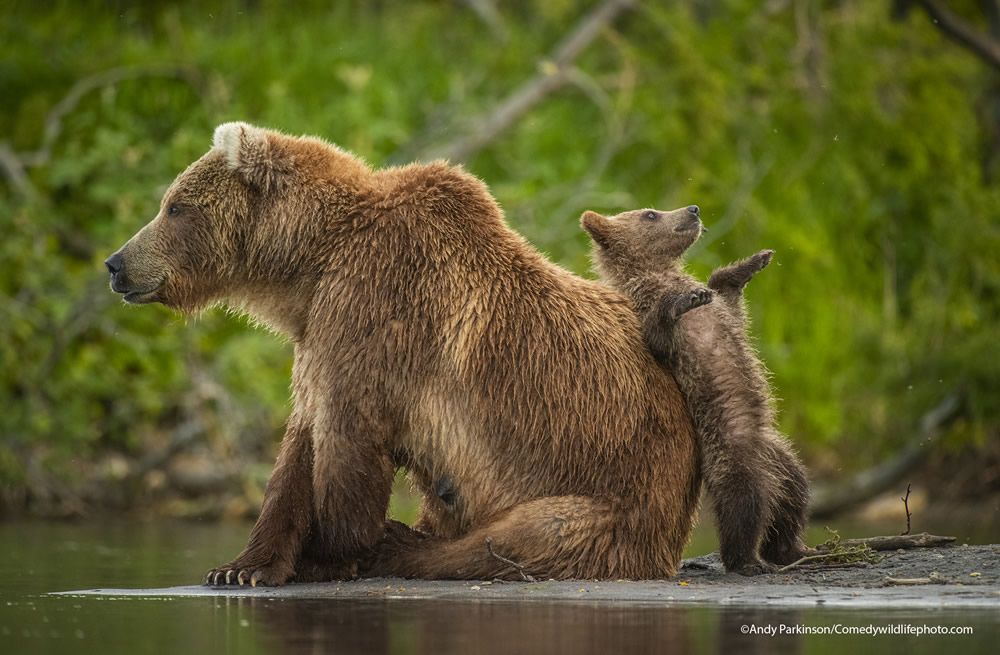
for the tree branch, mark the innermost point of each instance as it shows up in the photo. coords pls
(487, 12)
(992, 10)
(961, 32)
(13, 168)
(554, 72)
(829, 500)
(13, 164)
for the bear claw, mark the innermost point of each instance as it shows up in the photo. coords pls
(253, 573)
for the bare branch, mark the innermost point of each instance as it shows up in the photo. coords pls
(906, 506)
(13, 168)
(14, 164)
(992, 10)
(827, 501)
(961, 32)
(487, 12)
(553, 73)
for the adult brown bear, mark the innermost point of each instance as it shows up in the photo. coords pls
(431, 336)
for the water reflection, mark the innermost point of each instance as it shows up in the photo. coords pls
(42, 557)
(380, 626)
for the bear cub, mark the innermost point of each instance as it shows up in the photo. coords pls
(757, 483)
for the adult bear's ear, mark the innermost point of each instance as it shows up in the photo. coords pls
(253, 152)
(598, 227)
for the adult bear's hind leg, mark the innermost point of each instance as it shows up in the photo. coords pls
(562, 537)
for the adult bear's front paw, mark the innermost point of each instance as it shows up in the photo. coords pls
(246, 570)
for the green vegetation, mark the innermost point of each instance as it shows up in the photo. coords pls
(850, 143)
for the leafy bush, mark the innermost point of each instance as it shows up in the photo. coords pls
(848, 142)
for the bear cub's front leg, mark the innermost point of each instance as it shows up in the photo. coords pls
(732, 278)
(690, 300)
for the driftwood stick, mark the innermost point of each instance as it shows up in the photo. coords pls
(895, 542)
(907, 581)
(933, 578)
(808, 558)
(835, 565)
(508, 562)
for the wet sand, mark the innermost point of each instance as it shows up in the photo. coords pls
(952, 576)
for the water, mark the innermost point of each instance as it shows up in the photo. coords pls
(44, 557)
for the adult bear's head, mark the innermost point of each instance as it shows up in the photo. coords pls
(239, 222)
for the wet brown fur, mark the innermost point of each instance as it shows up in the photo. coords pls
(431, 336)
(757, 484)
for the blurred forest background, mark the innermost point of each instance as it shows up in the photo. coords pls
(858, 138)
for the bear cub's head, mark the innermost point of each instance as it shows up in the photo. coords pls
(643, 239)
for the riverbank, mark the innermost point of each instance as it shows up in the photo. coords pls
(950, 576)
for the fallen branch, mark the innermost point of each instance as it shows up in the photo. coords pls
(812, 558)
(517, 567)
(830, 500)
(895, 542)
(838, 553)
(554, 72)
(833, 565)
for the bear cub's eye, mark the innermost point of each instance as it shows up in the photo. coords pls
(650, 216)
(173, 209)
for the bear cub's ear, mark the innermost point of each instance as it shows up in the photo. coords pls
(598, 227)
(249, 151)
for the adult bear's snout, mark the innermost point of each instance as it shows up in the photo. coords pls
(116, 266)
(114, 263)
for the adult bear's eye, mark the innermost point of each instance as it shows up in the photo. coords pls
(173, 209)
(650, 216)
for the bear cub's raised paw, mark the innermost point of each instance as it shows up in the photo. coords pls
(760, 260)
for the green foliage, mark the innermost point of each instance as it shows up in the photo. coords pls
(847, 142)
